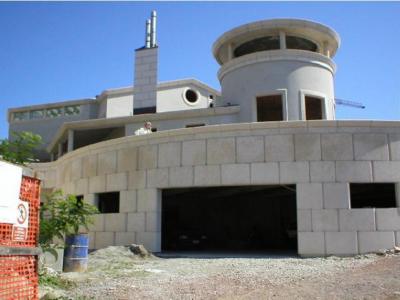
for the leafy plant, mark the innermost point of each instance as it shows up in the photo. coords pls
(20, 150)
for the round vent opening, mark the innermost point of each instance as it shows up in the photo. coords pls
(191, 96)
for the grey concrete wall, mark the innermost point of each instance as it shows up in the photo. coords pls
(320, 157)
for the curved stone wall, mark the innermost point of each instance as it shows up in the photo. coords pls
(320, 157)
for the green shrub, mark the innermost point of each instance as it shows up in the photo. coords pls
(21, 149)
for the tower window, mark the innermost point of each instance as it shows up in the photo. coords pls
(261, 44)
(313, 108)
(269, 108)
(295, 42)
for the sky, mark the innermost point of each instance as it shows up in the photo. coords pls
(57, 51)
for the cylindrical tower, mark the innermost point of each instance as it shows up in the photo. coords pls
(278, 69)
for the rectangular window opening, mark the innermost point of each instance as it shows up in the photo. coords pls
(144, 110)
(313, 108)
(269, 108)
(108, 202)
(195, 125)
(372, 195)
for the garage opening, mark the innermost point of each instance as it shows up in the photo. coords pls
(245, 218)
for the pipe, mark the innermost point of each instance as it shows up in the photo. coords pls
(153, 42)
(148, 33)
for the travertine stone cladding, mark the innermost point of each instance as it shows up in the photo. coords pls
(320, 157)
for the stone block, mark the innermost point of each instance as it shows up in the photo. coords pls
(137, 180)
(97, 184)
(98, 223)
(235, 174)
(207, 175)
(147, 157)
(394, 146)
(149, 200)
(76, 168)
(107, 163)
(374, 241)
(370, 146)
(124, 238)
(322, 171)
(115, 222)
(397, 236)
(362, 219)
(387, 219)
(264, 173)
(89, 165)
(90, 198)
(279, 148)
(325, 220)
(169, 155)
(157, 178)
(220, 151)
(304, 223)
(82, 186)
(337, 146)
(309, 196)
(336, 195)
(136, 222)
(386, 171)
(117, 182)
(104, 239)
(311, 244)
(341, 243)
(92, 239)
(153, 222)
(127, 159)
(353, 171)
(294, 172)
(127, 201)
(250, 149)
(150, 240)
(307, 147)
(181, 176)
(193, 153)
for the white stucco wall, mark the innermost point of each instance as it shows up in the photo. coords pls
(119, 106)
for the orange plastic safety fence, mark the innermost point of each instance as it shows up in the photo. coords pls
(18, 277)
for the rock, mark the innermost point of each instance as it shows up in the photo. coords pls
(396, 249)
(381, 252)
(139, 250)
(54, 294)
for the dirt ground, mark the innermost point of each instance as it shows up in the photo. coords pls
(115, 273)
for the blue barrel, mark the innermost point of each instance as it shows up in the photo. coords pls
(76, 253)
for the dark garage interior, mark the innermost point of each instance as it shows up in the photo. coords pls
(242, 218)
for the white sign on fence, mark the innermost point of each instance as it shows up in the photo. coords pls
(10, 184)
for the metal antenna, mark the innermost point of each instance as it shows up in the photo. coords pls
(349, 103)
(148, 33)
(153, 42)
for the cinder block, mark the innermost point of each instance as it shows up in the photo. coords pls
(341, 243)
(153, 222)
(151, 240)
(207, 175)
(157, 178)
(322, 171)
(104, 239)
(373, 241)
(127, 159)
(311, 244)
(394, 146)
(353, 171)
(250, 149)
(137, 180)
(98, 223)
(362, 219)
(337, 146)
(124, 238)
(294, 172)
(117, 182)
(336, 195)
(82, 186)
(181, 176)
(387, 219)
(90, 198)
(76, 168)
(194, 153)
(386, 171)
(221, 151)
(325, 220)
(304, 220)
(107, 163)
(115, 222)
(97, 184)
(235, 174)
(279, 148)
(149, 200)
(307, 147)
(127, 201)
(264, 173)
(309, 196)
(136, 222)
(169, 155)
(147, 157)
(89, 165)
(371, 146)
